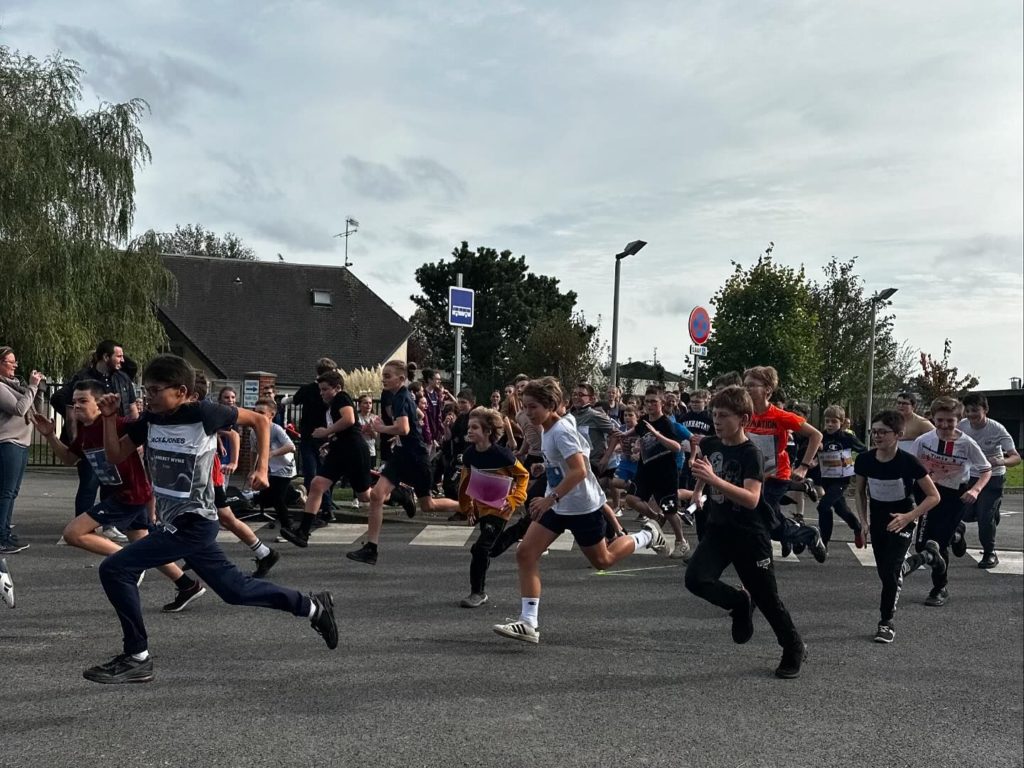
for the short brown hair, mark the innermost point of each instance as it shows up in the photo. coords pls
(332, 379)
(835, 412)
(734, 399)
(266, 402)
(325, 364)
(398, 366)
(945, 404)
(766, 374)
(546, 391)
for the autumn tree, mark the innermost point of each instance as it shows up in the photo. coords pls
(939, 378)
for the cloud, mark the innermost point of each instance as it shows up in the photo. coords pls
(414, 177)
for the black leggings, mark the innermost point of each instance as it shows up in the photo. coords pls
(751, 555)
(275, 495)
(890, 551)
(491, 527)
(834, 500)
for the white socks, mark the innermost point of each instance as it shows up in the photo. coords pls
(260, 549)
(642, 538)
(529, 614)
(142, 656)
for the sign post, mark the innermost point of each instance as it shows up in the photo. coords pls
(461, 309)
(699, 326)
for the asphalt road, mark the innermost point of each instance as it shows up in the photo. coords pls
(631, 670)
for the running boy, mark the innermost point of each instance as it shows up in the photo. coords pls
(574, 502)
(950, 457)
(180, 440)
(347, 455)
(485, 456)
(737, 531)
(886, 479)
(835, 469)
(407, 464)
(125, 490)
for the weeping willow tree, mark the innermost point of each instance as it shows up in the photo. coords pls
(68, 275)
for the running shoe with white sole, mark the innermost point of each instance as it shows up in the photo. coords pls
(6, 584)
(658, 543)
(518, 630)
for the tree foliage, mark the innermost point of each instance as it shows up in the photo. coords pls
(67, 198)
(939, 378)
(764, 315)
(563, 345)
(510, 301)
(196, 240)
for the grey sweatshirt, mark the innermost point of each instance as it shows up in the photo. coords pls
(13, 407)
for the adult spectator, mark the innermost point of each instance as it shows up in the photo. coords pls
(313, 416)
(16, 398)
(437, 395)
(108, 368)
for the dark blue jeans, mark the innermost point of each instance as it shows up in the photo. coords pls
(195, 539)
(13, 460)
(835, 500)
(784, 529)
(88, 487)
(309, 457)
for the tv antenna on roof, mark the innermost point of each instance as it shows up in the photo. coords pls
(351, 227)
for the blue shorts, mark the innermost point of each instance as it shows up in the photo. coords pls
(587, 529)
(626, 471)
(127, 517)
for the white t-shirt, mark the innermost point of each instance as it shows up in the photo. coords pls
(371, 442)
(994, 441)
(950, 462)
(559, 444)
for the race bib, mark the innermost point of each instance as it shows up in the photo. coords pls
(105, 471)
(887, 490)
(769, 452)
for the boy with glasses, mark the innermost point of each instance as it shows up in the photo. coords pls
(886, 478)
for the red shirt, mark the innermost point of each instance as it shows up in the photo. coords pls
(769, 431)
(128, 481)
(217, 475)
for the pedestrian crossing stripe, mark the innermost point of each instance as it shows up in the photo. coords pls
(1010, 562)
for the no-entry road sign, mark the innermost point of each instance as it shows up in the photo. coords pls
(699, 325)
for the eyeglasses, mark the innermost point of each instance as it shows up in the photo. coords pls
(881, 432)
(154, 390)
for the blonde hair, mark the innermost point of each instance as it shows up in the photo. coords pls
(399, 367)
(835, 412)
(546, 391)
(766, 374)
(945, 404)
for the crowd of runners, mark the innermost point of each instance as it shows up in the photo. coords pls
(542, 458)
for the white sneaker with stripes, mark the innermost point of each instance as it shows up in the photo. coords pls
(518, 630)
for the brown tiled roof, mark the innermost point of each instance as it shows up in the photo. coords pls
(247, 316)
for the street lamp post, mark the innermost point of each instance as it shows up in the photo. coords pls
(630, 249)
(877, 299)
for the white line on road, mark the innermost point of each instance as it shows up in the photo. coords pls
(777, 554)
(443, 536)
(337, 533)
(563, 543)
(864, 556)
(1009, 562)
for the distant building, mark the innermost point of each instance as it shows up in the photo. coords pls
(1007, 407)
(232, 318)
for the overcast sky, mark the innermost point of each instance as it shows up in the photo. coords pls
(890, 132)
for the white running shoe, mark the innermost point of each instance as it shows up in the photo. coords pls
(618, 512)
(681, 551)
(518, 630)
(110, 532)
(7, 584)
(658, 543)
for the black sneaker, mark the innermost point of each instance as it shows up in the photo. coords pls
(792, 658)
(886, 633)
(264, 564)
(989, 560)
(121, 669)
(323, 620)
(12, 548)
(818, 548)
(365, 554)
(959, 544)
(296, 536)
(402, 498)
(933, 555)
(911, 564)
(937, 598)
(743, 620)
(787, 548)
(183, 597)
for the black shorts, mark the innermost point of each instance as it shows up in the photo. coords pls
(410, 470)
(352, 462)
(656, 484)
(220, 498)
(587, 529)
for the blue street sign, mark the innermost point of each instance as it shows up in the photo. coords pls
(460, 306)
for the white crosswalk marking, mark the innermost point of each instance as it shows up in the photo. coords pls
(563, 543)
(864, 556)
(777, 554)
(227, 537)
(1009, 562)
(337, 533)
(443, 536)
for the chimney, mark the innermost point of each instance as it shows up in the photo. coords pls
(1015, 382)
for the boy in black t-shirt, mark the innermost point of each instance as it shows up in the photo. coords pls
(345, 454)
(886, 476)
(738, 531)
(181, 441)
(408, 463)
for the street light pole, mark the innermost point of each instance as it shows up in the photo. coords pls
(877, 299)
(630, 249)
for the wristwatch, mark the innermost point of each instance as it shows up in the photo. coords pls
(556, 497)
